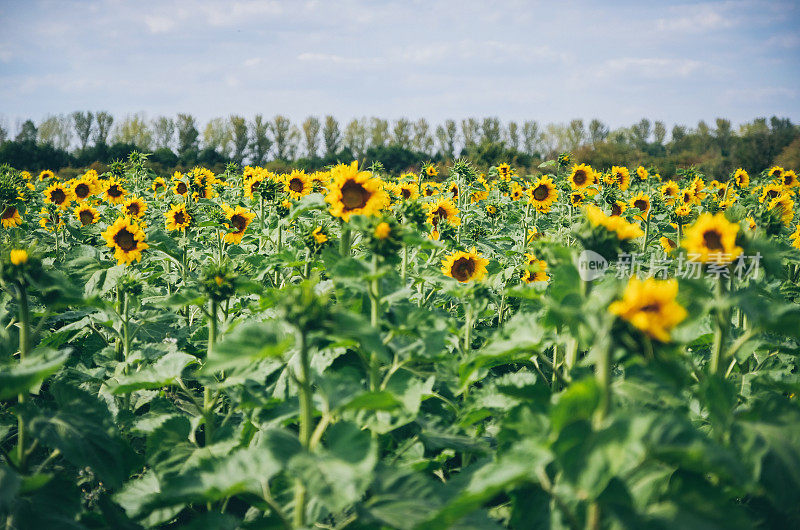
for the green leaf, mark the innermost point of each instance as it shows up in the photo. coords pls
(248, 343)
(164, 372)
(19, 377)
(577, 402)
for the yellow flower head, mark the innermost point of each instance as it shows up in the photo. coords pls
(775, 172)
(642, 202)
(83, 188)
(407, 191)
(354, 192)
(581, 176)
(86, 214)
(177, 218)
(298, 184)
(650, 307)
(535, 269)
(669, 191)
(47, 175)
(238, 219)
(465, 266)
(795, 237)
(642, 173)
(114, 192)
(620, 177)
(58, 195)
(542, 194)
(667, 244)
(18, 256)
(712, 238)
(127, 239)
(382, 231)
(443, 210)
(789, 179)
(783, 205)
(159, 186)
(741, 178)
(134, 207)
(431, 171)
(10, 217)
(319, 236)
(622, 228)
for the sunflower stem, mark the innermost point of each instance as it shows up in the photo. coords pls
(24, 348)
(208, 401)
(344, 243)
(646, 233)
(278, 246)
(304, 382)
(723, 322)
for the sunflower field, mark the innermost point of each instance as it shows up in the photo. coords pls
(578, 348)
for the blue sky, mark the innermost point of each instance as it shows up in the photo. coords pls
(548, 61)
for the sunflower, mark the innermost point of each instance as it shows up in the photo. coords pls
(581, 176)
(58, 195)
(789, 179)
(504, 170)
(517, 191)
(478, 196)
(741, 178)
(86, 214)
(134, 207)
(47, 175)
(535, 269)
(542, 194)
(159, 186)
(687, 196)
(453, 189)
(297, 184)
(783, 205)
(430, 189)
(18, 256)
(667, 244)
(177, 218)
(431, 171)
(83, 188)
(617, 208)
(443, 210)
(407, 191)
(114, 192)
(751, 223)
(252, 182)
(127, 240)
(465, 266)
(669, 192)
(795, 237)
(770, 192)
(239, 219)
(650, 306)
(642, 202)
(10, 217)
(620, 177)
(48, 220)
(642, 173)
(613, 223)
(576, 198)
(354, 192)
(319, 236)
(775, 172)
(713, 239)
(181, 188)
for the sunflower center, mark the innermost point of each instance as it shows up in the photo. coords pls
(124, 240)
(405, 193)
(652, 307)
(133, 209)
(58, 196)
(463, 269)
(82, 190)
(772, 194)
(114, 191)
(239, 222)
(354, 195)
(541, 192)
(254, 186)
(787, 180)
(580, 177)
(642, 205)
(9, 212)
(180, 218)
(182, 188)
(296, 185)
(616, 209)
(713, 240)
(86, 217)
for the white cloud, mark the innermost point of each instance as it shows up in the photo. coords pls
(651, 68)
(696, 18)
(159, 24)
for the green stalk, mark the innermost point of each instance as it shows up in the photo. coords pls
(723, 321)
(375, 302)
(646, 233)
(24, 348)
(278, 246)
(467, 328)
(344, 243)
(305, 428)
(207, 397)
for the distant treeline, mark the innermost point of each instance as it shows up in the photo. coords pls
(84, 139)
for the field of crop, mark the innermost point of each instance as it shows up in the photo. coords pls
(578, 348)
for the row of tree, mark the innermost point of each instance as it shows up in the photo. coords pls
(81, 138)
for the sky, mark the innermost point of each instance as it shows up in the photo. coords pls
(617, 61)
